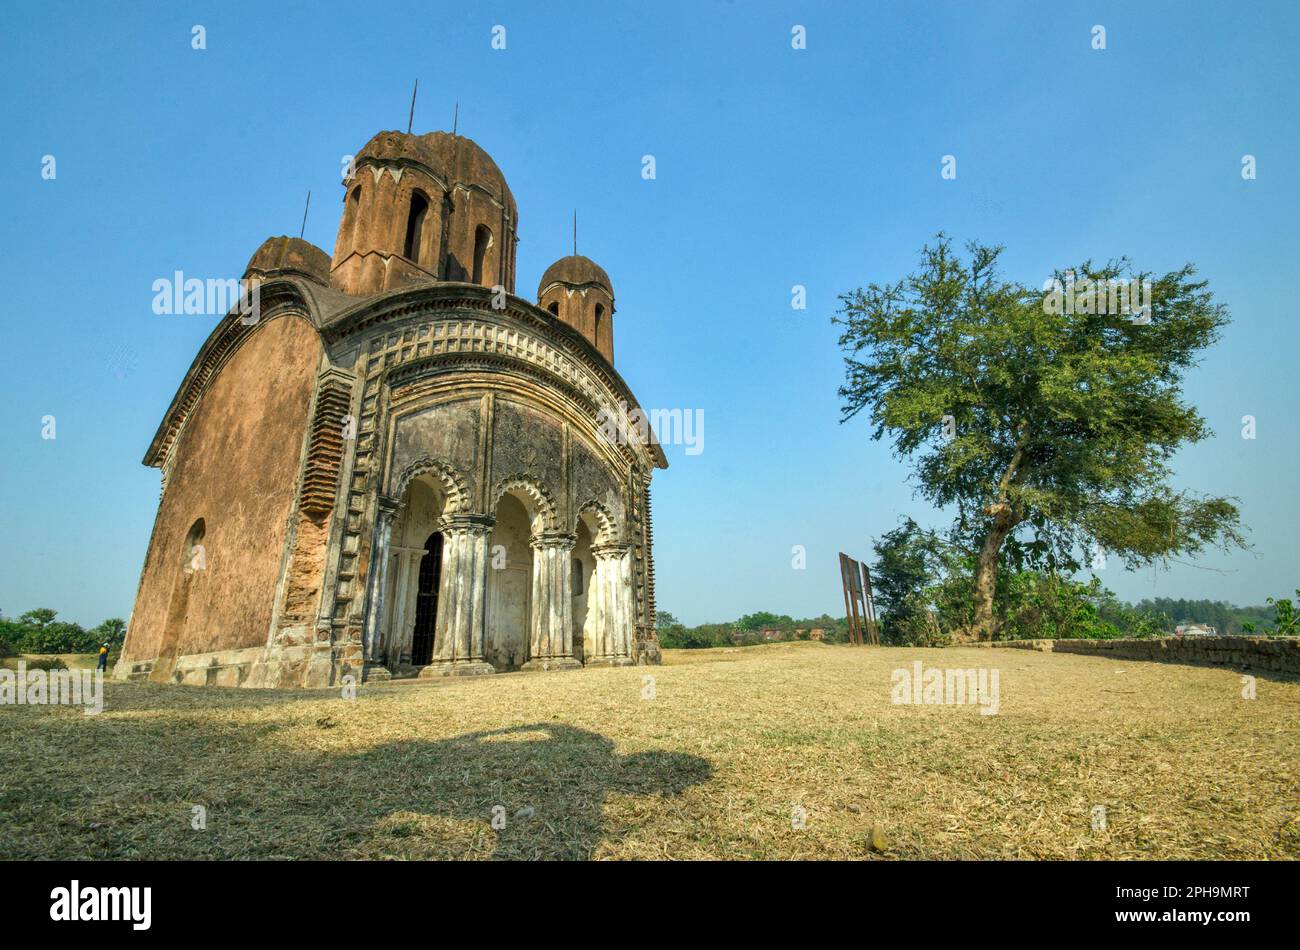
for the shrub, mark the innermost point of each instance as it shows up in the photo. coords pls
(1285, 618)
(1047, 606)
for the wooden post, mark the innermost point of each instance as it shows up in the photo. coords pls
(874, 627)
(849, 613)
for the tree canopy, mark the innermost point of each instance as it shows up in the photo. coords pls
(40, 631)
(1048, 429)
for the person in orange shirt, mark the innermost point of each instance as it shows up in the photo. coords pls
(103, 658)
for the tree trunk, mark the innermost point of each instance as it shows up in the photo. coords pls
(986, 579)
(1005, 518)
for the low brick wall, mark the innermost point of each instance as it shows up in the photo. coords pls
(1265, 654)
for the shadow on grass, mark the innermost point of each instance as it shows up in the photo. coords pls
(539, 788)
(536, 791)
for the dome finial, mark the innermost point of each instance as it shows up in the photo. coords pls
(575, 232)
(410, 119)
(302, 230)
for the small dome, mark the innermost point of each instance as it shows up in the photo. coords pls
(575, 270)
(289, 255)
(453, 158)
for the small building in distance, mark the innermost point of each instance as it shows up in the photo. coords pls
(1195, 630)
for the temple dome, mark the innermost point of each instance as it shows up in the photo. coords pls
(289, 255)
(575, 270)
(454, 159)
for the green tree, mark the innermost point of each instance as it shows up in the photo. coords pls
(763, 619)
(40, 631)
(1033, 605)
(111, 631)
(37, 619)
(908, 567)
(1286, 619)
(1050, 433)
(905, 564)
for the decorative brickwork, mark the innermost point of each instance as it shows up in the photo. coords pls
(395, 441)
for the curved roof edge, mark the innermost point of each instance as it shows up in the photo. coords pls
(275, 295)
(336, 316)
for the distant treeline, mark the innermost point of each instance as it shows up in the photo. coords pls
(40, 631)
(1089, 611)
(1221, 615)
(1098, 615)
(746, 631)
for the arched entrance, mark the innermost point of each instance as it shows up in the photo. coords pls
(415, 556)
(426, 601)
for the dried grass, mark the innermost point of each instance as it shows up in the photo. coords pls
(712, 767)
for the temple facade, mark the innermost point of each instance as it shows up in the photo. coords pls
(384, 463)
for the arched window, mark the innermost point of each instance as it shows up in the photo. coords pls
(577, 577)
(482, 240)
(352, 215)
(194, 556)
(415, 226)
(600, 313)
(194, 559)
(554, 307)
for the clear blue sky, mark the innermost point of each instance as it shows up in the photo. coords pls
(775, 167)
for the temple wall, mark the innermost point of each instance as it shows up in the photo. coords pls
(236, 466)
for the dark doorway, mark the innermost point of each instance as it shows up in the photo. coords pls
(426, 601)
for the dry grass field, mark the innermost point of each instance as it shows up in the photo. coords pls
(715, 765)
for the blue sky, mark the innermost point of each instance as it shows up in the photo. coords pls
(775, 167)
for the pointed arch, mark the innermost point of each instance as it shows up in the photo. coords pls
(415, 226)
(453, 483)
(542, 508)
(605, 522)
(482, 241)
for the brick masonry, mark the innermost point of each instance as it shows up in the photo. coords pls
(1278, 655)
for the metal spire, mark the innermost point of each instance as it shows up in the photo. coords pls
(303, 229)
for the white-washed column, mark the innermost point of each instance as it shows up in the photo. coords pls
(551, 624)
(462, 598)
(612, 585)
(395, 599)
(377, 582)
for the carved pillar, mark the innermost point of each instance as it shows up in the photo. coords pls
(647, 637)
(377, 581)
(462, 597)
(551, 626)
(407, 643)
(611, 588)
(397, 629)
